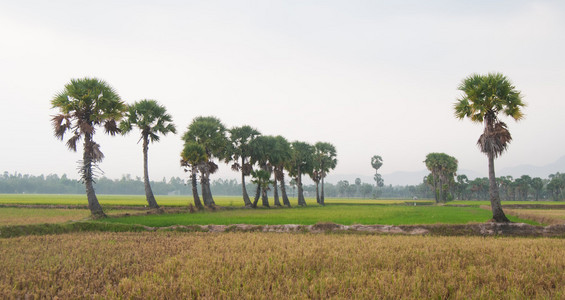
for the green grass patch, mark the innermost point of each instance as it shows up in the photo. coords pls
(340, 214)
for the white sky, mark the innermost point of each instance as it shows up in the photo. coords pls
(371, 77)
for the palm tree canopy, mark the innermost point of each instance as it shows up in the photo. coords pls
(84, 104)
(441, 164)
(193, 154)
(281, 151)
(150, 117)
(210, 133)
(376, 162)
(325, 157)
(302, 157)
(240, 138)
(262, 149)
(486, 96)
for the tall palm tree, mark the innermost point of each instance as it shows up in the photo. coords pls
(301, 162)
(484, 98)
(240, 149)
(85, 104)
(377, 163)
(325, 159)
(193, 155)
(211, 134)
(152, 119)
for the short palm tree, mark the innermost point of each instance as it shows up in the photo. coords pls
(301, 162)
(484, 98)
(210, 133)
(152, 119)
(193, 155)
(325, 159)
(85, 104)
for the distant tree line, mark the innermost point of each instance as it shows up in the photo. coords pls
(511, 189)
(18, 183)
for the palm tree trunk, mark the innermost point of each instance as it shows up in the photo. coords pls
(286, 202)
(276, 191)
(322, 199)
(148, 192)
(246, 199)
(318, 192)
(205, 184)
(264, 197)
(93, 204)
(257, 195)
(197, 202)
(301, 200)
(497, 213)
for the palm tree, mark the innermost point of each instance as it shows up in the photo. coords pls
(484, 97)
(442, 168)
(85, 104)
(152, 119)
(241, 138)
(262, 178)
(280, 156)
(377, 163)
(324, 161)
(301, 162)
(262, 149)
(192, 156)
(211, 134)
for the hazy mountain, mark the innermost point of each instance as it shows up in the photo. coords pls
(534, 171)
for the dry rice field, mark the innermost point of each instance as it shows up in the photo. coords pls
(280, 266)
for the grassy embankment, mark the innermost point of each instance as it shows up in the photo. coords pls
(275, 266)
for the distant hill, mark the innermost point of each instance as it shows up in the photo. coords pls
(416, 177)
(534, 171)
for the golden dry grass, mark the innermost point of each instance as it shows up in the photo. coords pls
(543, 216)
(279, 266)
(25, 215)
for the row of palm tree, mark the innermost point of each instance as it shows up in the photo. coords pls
(88, 103)
(263, 157)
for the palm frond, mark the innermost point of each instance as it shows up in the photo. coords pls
(111, 128)
(61, 124)
(72, 143)
(495, 140)
(96, 154)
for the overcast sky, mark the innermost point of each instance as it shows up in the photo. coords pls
(371, 77)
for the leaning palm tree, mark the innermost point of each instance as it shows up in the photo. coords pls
(484, 97)
(152, 119)
(85, 104)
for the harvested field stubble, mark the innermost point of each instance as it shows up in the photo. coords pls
(275, 265)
